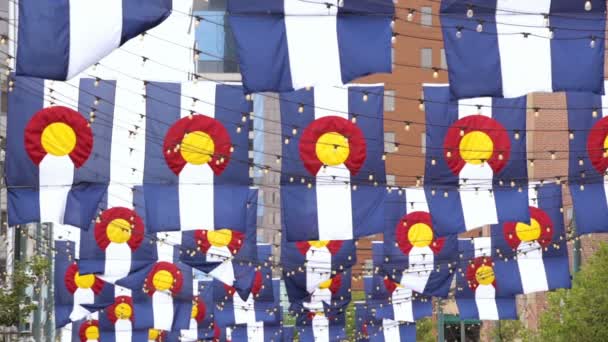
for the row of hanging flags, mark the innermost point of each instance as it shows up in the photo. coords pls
(149, 189)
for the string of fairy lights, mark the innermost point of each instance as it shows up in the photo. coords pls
(407, 124)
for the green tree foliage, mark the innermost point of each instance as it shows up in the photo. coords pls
(505, 331)
(579, 314)
(424, 330)
(15, 305)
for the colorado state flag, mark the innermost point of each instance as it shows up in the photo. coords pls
(54, 147)
(319, 327)
(371, 329)
(413, 255)
(258, 306)
(74, 290)
(198, 177)
(542, 253)
(330, 181)
(313, 262)
(588, 166)
(222, 252)
(555, 34)
(290, 44)
(476, 166)
(59, 39)
(167, 283)
(478, 285)
(201, 316)
(390, 300)
(117, 243)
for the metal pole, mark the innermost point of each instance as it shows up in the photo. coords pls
(440, 323)
(463, 334)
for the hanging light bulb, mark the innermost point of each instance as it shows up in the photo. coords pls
(536, 112)
(435, 73)
(546, 20)
(410, 15)
(594, 113)
(551, 33)
(421, 105)
(301, 108)
(480, 27)
(407, 126)
(470, 12)
(592, 42)
(588, 6)
(459, 33)
(571, 135)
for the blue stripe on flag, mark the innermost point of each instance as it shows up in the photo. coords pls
(49, 22)
(264, 63)
(22, 176)
(141, 15)
(365, 45)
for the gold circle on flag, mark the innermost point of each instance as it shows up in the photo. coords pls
(326, 284)
(319, 244)
(123, 311)
(162, 280)
(332, 148)
(606, 144)
(153, 334)
(119, 231)
(476, 147)
(528, 232)
(219, 238)
(197, 148)
(58, 139)
(194, 312)
(84, 281)
(92, 333)
(484, 275)
(420, 235)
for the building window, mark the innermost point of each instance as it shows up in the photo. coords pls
(389, 142)
(390, 180)
(423, 142)
(444, 61)
(389, 100)
(426, 16)
(214, 38)
(426, 58)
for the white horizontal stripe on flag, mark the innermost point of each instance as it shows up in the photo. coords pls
(403, 310)
(95, 30)
(196, 190)
(523, 73)
(162, 307)
(320, 328)
(485, 295)
(390, 330)
(416, 200)
(56, 173)
(318, 267)
(81, 296)
(244, 311)
(224, 272)
(485, 298)
(255, 331)
(604, 114)
(421, 264)
(124, 330)
(334, 201)
(532, 267)
(312, 41)
(478, 204)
